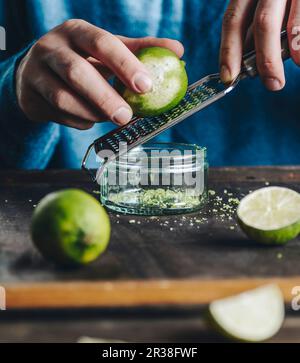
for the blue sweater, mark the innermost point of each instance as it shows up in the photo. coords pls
(249, 127)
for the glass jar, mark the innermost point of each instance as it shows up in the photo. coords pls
(156, 179)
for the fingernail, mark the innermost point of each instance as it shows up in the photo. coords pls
(272, 84)
(225, 74)
(142, 82)
(122, 116)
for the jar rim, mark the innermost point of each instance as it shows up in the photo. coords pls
(188, 158)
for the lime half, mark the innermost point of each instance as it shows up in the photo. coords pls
(252, 316)
(169, 78)
(270, 215)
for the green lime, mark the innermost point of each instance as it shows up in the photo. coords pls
(70, 227)
(252, 316)
(270, 215)
(169, 78)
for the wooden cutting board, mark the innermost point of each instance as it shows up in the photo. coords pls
(190, 259)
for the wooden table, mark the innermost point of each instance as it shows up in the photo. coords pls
(158, 274)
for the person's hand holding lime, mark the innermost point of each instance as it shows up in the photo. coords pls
(169, 83)
(64, 76)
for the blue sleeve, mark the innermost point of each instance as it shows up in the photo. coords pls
(23, 143)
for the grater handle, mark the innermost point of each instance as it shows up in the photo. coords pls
(85, 161)
(249, 60)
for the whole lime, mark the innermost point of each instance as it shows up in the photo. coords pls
(270, 215)
(169, 78)
(70, 227)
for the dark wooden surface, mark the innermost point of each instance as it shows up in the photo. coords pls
(167, 247)
(163, 248)
(160, 325)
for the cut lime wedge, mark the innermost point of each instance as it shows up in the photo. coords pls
(270, 215)
(252, 316)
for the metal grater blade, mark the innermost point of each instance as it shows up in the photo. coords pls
(139, 130)
(199, 95)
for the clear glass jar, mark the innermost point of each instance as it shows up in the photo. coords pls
(156, 179)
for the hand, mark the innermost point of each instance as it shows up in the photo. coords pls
(263, 19)
(63, 77)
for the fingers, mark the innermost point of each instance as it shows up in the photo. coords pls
(62, 97)
(84, 79)
(38, 109)
(104, 71)
(135, 44)
(293, 28)
(267, 28)
(236, 20)
(72, 121)
(113, 53)
(249, 40)
(67, 71)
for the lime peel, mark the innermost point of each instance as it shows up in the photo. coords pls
(170, 83)
(270, 215)
(70, 227)
(252, 316)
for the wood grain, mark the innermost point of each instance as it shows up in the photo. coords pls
(166, 324)
(135, 293)
(169, 260)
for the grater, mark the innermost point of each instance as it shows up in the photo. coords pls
(199, 95)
